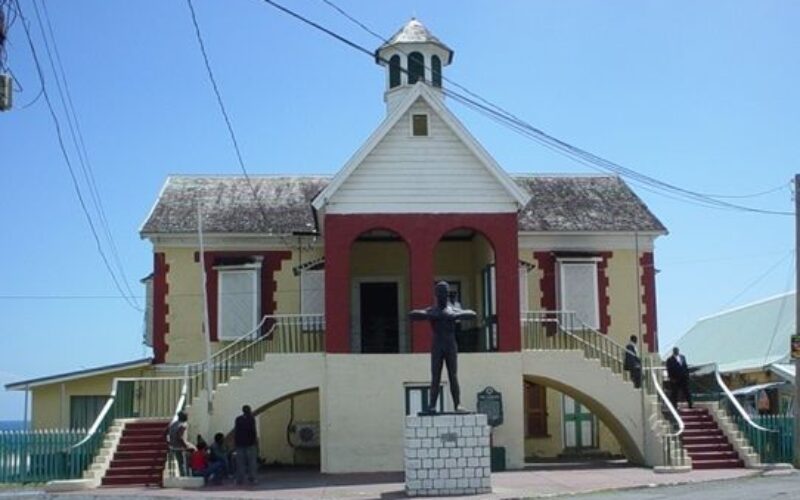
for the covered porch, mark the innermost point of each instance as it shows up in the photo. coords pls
(379, 267)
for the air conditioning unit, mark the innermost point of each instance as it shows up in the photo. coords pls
(6, 83)
(305, 434)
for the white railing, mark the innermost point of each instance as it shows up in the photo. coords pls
(671, 442)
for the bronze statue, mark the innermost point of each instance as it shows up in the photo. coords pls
(443, 317)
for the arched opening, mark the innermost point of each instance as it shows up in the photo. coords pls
(394, 71)
(465, 258)
(416, 67)
(436, 71)
(562, 422)
(379, 292)
(289, 430)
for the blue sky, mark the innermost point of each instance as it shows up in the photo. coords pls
(699, 94)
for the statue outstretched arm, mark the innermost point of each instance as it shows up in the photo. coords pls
(418, 314)
(466, 314)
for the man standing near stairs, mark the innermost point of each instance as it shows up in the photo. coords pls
(178, 445)
(246, 441)
(678, 371)
(633, 363)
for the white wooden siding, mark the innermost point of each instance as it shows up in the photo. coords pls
(406, 174)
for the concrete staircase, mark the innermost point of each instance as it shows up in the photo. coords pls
(140, 455)
(705, 442)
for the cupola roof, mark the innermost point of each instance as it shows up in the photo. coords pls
(415, 32)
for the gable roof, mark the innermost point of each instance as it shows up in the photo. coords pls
(420, 91)
(557, 204)
(750, 337)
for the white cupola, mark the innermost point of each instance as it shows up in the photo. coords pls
(413, 54)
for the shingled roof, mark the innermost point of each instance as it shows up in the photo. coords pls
(584, 203)
(228, 205)
(558, 204)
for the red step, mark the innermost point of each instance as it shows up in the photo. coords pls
(705, 448)
(137, 446)
(139, 454)
(147, 470)
(718, 464)
(152, 480)
(145, 433)
(705, 442)
(704, 439)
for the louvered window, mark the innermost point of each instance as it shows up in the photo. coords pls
(578, 290)
(239, 301)
(312, 298)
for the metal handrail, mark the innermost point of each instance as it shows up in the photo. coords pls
(241, 338)
(100, 417)
(736, 404)
(577, 321)
(667, 402)
(556, 318)
(112, 397)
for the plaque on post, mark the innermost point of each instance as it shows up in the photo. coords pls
(490, 403)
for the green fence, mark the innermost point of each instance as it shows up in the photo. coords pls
(772, 447)
(36, 456)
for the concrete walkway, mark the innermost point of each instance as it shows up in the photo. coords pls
(539, 482)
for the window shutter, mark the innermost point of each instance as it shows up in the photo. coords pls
(239, 302)
(579, 291)
(312, 299)
(523, 289)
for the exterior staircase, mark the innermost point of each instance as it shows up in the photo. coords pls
(705, 442)
(140, 456)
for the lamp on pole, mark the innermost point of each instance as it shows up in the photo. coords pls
(206, 333)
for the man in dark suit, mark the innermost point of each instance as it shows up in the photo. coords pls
(633, 363)
(678, 372)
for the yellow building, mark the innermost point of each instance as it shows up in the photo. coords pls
(309, 280)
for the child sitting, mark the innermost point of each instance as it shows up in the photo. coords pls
(202, 467)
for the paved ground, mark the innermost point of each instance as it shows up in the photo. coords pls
(542, 481)
(784, 486)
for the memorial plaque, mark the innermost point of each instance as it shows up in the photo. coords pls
(490, 403)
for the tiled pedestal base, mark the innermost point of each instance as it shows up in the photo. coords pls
(447, 454)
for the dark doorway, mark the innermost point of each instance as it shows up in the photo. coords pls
(379, 320)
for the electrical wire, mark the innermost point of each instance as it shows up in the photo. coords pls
(67, 161)
(222, 109)
(758, 280)
(79, 143)
(508, 119)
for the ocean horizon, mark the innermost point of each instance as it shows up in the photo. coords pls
(12, 425)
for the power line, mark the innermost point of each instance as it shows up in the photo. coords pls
(228, 124)
(522, 127)
(79, 143)
(67, 160)
(759, 279)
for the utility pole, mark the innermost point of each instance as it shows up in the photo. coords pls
(796, 405)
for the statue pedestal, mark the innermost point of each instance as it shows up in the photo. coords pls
(447, 454)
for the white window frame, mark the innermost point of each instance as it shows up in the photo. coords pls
(561, 287)
(411, 124)
(255, 271)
